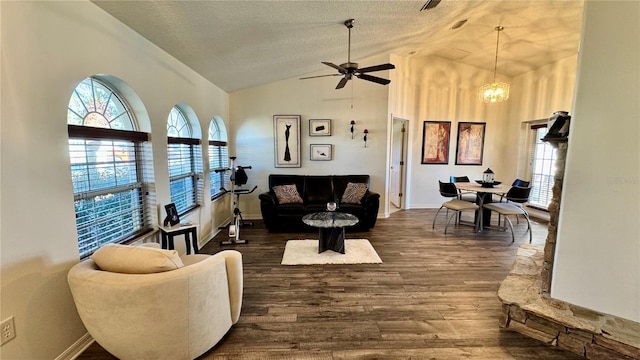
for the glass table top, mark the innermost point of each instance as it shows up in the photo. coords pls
(330, 219)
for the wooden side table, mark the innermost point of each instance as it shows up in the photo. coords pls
(168, 232)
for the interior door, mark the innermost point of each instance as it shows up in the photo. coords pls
(396, 180)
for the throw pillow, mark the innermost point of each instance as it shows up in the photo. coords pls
(287, 194)
(136, 259)
(353, 193)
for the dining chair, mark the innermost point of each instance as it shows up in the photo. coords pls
(516, 201)
(520, 183)
(466, 196)
(449, 190)
(515, 196)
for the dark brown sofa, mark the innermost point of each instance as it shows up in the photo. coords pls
(316, 191)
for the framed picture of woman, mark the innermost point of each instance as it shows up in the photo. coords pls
(286, 132)
(470, 146)
(435, 142)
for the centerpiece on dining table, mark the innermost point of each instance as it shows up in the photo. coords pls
(488, 179)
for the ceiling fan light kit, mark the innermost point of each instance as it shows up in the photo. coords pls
(350, 69)
(495, 91)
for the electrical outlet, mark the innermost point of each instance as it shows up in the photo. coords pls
(8, 330)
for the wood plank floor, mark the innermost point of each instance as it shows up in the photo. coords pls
(434, 297)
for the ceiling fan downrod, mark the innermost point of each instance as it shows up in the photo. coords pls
(349, 25)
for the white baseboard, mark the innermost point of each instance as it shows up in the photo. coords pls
(77, 348)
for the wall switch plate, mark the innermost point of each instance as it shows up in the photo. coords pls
(8, 330)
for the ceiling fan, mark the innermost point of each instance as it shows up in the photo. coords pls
(348, 70)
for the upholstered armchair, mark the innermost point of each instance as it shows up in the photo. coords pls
(148, 303)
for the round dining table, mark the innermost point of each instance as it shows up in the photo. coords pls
(484, 196)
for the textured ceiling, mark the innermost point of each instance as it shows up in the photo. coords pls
(240, 44)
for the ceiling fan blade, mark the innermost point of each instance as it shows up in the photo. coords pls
(337, 67)
(342, 83)
(312, 77)
(375, 79)
(376, 68)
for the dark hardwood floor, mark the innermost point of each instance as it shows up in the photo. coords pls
(433, 297)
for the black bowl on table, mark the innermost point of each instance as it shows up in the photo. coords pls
(488, 184)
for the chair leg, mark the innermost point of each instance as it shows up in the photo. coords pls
(526, 216)
(435, 217)
(448, 221)
(513, 237)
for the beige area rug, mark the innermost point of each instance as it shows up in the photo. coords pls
(305, 252)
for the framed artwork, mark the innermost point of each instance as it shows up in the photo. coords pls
(321, 152)
(319, 127)
(470, 143)
(286, 132)
(435, 142)
(172, 215)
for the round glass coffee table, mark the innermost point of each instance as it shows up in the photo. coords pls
(331, 226)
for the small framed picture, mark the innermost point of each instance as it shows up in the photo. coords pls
(319, 127)
(321, 152)
(172, 215)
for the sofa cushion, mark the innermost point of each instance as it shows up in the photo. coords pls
(353, 193)
(136, 259)
(287, 194)
(318, 189)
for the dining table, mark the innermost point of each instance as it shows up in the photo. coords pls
(484, 195)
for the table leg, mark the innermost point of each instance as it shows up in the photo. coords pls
(186, 242)
(331, 239)
(163, 239)
(483, 216)
(194, 240)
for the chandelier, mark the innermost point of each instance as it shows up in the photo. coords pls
(495, 91)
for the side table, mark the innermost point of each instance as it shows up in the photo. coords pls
(168, 232)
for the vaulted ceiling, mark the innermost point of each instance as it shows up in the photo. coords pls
(240, 44)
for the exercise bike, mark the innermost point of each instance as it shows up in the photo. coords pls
(237, 177)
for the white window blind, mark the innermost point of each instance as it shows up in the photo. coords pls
(218, 157)
(543, 163)
(185, 173)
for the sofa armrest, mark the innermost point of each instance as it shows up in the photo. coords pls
(233, 261)
(371, 202)
(268, 206)
(269, 198)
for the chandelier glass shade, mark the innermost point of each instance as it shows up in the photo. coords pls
(495, 91)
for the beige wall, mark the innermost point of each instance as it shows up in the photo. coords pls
(47, 48)
(432, 88)
(252, 113)
(598, 249)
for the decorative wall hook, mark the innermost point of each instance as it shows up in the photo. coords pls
(353, 124)
(365, 137)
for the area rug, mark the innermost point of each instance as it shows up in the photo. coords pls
(305, 252)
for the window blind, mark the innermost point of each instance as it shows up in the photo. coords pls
(218, 160)
(543, 159)
(110, 197)
(185, 173)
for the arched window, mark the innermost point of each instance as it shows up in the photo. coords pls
(185, 162)
(218, 157)
(108, 157)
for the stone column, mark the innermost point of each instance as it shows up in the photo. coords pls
(554, 212)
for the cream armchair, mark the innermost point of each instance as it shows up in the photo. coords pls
(177, 313)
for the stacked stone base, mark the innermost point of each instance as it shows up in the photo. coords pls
(582, 331)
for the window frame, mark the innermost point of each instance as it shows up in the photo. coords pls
(192, 146)
(218, 159)
(85, 106)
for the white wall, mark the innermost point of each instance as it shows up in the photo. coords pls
(432, 88)
(47, 48)
(252, 113)
(540, 93)
(598, 249)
